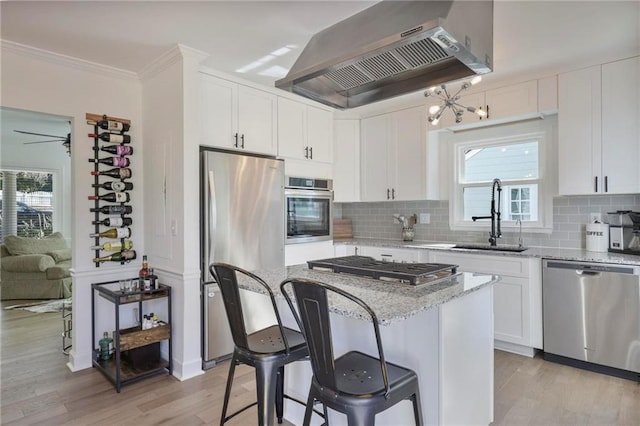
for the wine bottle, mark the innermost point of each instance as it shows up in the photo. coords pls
(112, 161)
(115, 246)
(116, 149)
(120, 256)
(111, 137)
(113, 233)
(143, 274)
(116, 186)
(114, 221)
(113, 126)
(114, 197)
(113, 210)
(119, 172)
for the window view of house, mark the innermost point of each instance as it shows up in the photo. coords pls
(516, 165)
(33, 203)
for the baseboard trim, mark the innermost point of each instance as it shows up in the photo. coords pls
(515, 348)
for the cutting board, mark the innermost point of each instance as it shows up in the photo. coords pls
(342, 229)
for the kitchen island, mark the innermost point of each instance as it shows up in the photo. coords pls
(443, 331)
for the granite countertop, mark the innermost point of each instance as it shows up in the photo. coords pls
(541, 252)
(391, 301)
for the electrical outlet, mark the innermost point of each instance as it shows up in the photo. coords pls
(595, 217)
(425, 218)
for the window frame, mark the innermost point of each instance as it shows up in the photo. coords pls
(544, 224)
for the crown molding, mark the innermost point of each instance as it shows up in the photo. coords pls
(177, 53)
(66, 61)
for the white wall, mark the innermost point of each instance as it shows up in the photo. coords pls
(36, 80)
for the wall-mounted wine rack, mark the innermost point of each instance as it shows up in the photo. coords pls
(112, 131)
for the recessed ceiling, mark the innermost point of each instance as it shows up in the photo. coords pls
(529, 36)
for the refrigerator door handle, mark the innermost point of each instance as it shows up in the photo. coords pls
(212, 220)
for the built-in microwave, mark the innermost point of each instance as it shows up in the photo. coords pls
(309, 209)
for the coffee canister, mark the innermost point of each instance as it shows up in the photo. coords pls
(597, 237)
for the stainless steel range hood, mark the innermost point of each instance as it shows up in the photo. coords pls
(394, 48)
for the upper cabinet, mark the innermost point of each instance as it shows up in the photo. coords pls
(304, 132)
(598, 129)
(393, 156)
(346, 161)
(237, 117)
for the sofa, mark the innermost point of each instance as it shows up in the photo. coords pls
(35, 268)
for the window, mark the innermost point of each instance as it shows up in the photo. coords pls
(33, 194)
(516, 160)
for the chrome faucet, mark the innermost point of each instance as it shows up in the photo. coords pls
(519, 222)
(495, 213)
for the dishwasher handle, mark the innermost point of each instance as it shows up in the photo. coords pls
(593, 268)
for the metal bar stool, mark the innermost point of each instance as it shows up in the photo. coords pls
(355, 383)
(267, 350)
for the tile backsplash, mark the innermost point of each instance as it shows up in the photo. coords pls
(570, 216)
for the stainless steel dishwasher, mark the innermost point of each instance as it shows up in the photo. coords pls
(592, 314)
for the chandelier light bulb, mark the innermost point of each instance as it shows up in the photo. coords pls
(433, 109)
(481, 112)
(475, 80)
(434, 122)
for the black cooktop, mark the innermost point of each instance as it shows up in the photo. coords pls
(413, 273)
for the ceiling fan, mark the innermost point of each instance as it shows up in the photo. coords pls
(66, 140)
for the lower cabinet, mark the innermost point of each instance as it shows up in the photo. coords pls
(295, 254)
(390, 254)
(134, 352)
(517, 297)
(387, 254)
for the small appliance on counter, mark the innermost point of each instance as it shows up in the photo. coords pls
(624, 232)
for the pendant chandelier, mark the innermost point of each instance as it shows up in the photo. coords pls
(451, 101)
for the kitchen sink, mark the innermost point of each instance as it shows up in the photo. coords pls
(490, 248)
(431, 245)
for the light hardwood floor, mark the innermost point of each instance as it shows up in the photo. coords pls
(37, 388)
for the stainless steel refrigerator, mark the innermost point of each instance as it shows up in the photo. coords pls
(242, 223)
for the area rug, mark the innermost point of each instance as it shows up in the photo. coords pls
(54, 305)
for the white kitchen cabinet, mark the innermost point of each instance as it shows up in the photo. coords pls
(389, 254)
(295, 254)
(237, 117)
(598, 129)
(621, 126)
(346, 161)
(340, 250)
(393, 156)
(304, 132)
(517, 297)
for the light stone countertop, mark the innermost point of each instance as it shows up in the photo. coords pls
(391, 301)
(541, 252)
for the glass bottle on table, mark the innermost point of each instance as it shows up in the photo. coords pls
(143, 274)
(106, 345)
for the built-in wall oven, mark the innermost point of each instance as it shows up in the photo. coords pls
(308, 206)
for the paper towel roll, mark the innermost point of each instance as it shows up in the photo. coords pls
(597, 237)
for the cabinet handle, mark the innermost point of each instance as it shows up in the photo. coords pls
(393, 194)
(356, 251)
(311, 153)
(595, 181)
(606, 184)
(487, 112)
(306, 152)
(242, 140)
(388, 194)
(236, 140)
